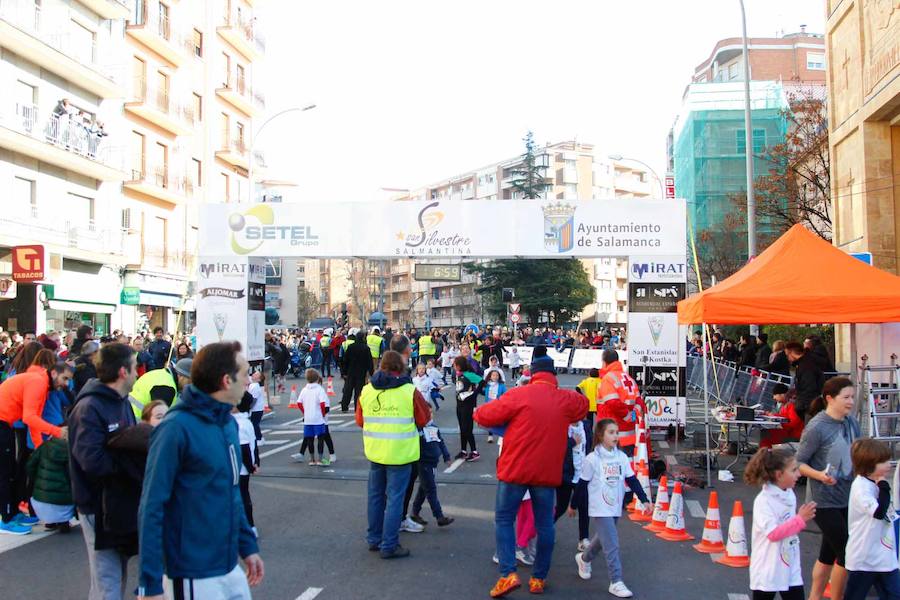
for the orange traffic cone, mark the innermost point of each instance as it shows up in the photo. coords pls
(329, 388)
(293, 402)
(675, 531)
(661, 509)
(640, 451)
(267, 409)
(711, 542)
(736, 551)
(637, 514)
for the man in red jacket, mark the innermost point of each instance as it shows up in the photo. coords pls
(536, 417)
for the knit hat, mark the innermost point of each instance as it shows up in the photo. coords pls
(183, 366)
(542, 364)
(90, 347)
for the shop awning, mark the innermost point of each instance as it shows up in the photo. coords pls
(86, 307)
(167, 300)
(799, 279)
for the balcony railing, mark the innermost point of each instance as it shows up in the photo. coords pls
(64, 131)
(51, 227)
(29, 18)
(161, 100)
(240, 22)
(153, 26)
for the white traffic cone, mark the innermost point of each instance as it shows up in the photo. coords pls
(293, 402)
(736, 550)
(711, 542)
(675, 531)
(661, 508)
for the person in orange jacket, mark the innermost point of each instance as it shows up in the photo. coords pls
(617, 398)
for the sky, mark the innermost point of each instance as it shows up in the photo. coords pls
(408, 93)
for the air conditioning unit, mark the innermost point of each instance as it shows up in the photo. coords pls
(126, 219)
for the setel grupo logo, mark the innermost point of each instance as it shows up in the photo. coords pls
(254, 226)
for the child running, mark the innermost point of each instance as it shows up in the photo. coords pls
(775, 547)
(492, 391)
(312, 401)
(437, 379)
(431, 449)
(604, 474)
(468, 386)
(447, 357)
(249, 452)
(515, 363)
(871, 559)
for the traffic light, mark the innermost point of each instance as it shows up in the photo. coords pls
(508, 294)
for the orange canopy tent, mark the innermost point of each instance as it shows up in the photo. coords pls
(799, 279)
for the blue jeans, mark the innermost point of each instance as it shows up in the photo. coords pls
(887, 584)
(387, 488)
(509, 496)
(427, 489)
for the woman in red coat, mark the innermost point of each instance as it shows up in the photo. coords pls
(790, 431)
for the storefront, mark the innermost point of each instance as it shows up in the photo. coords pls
(161, 303)
(65, 315)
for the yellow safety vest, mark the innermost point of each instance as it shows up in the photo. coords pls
(476, 354)
(426, 346)
(347, 343)
(140, 393)
(389, 426)
(374, 343)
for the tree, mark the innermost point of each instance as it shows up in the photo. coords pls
(529, 175)
(559, 287)
(307, 306)
(797, 188)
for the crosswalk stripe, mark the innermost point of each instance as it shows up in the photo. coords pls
(284, 446)
(734, 596)
(454, 466)
(670, 458)
(663, 444)
(310, 593)
(695, 509)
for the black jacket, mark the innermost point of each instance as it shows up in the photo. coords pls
(762, 357)
(357, 361)
(748, 355)
(808, 381)
(159, 353)
(84, 372)
(99, 412)
(780, 364)
(122, 490)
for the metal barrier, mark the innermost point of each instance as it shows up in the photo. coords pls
(730, 384)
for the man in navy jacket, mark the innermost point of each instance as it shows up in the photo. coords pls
(191, 521)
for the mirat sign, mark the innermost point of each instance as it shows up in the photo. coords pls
(652, 229)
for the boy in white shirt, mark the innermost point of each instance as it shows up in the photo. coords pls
(447, 356)
(870, 556)
(313, 402)
(515, 362)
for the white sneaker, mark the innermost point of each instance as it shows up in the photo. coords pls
(297, 457)
(495, 559)
(584, 568)
(524, 557)
(333, 458)
(410, 526)
(583, 545)
(255, 532)
(619, 590)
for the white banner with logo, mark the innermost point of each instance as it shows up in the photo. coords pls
(531, 228)
(228, 303)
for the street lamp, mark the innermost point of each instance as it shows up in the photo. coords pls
(258, 132)
(748, 143)
(640, 162)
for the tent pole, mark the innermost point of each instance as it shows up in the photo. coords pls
(854, 371)
(706, 402)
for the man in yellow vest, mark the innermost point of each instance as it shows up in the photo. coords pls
(426, 347)
(389, 410)
(374, 342)
(160, 384)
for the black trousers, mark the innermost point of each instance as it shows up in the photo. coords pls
(327, 358)
(323, 440)
(24, 484)
(409, 488)
(245, 497)
(792, 593)
(563, 497)
(256, 419)
(464, 411)
(352, 387)
(9, 501)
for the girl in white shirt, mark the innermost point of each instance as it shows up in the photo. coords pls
(604, 475)
(775, 553)
(870, 557)
(313, 403)
(249, 453)
(257, 389)
(447, 357)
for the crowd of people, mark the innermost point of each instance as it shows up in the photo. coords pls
(75, 129)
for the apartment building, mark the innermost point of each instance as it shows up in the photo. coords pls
(122, 117)
(189, 110)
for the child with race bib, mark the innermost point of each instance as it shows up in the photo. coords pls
(604, 474)
(775, 553)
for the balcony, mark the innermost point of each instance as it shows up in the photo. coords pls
(60, 141)
(159, 183)
(39, 39)
(241, 32)
(159, 108)
(108, 9)
(86, 241)
(236, 153)
(152, 27)
(237, 92)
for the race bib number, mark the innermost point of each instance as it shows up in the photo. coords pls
(431, 434)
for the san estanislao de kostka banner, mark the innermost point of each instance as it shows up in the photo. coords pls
(436, 229)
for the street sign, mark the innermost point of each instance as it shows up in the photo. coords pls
(866, 257)
(7, 289)
(515, 317)
(670, 187)
(435, 272)
(514, 307)
(28, 263)
(130, 296)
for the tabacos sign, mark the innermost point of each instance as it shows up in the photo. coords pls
(663, 269)
(252, 228)
(430, 235)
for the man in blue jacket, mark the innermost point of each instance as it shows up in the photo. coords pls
(159, 349)
(191, 520)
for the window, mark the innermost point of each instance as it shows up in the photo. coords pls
(197, 40)
(226, 69)
(239, 131)
(225, 127)
(139, 16)
(160, 164)
(191, 243)
(605, 307)
(163, 21)
(734, 71)
(240, 78)
(162, 91)
(80, 210)
(759, 140)
(196, 172)
(24, 201)
(815, 61)
(126, 219)
(198, 107)
(223, 186)
(138, 71)
(156, 247)
(137, 156)
(82, 43)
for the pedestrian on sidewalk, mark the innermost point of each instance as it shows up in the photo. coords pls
(101, 410)
(605, 473)
(537, 418)
(192, 523)
(824, 458)
(775, 547)
(389, 410)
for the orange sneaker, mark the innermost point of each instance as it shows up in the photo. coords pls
(536, 586)
(505, 585)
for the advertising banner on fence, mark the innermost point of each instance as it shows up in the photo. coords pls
(423, 229)
(560, 358)
(228, 303)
